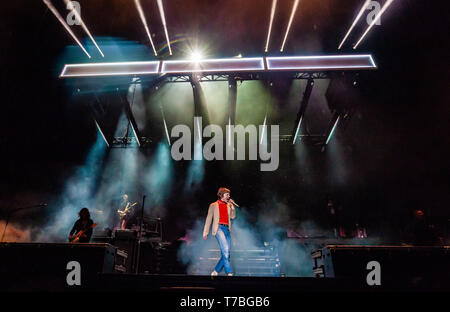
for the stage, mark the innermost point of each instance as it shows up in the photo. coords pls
(192, 149)
(51, 268)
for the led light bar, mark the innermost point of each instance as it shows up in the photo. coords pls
(294, 8)
(256, 64)
(328, 62)
(110, 69)
(213, 65)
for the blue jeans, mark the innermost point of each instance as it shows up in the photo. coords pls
(224, 240)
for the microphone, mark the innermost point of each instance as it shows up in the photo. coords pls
(232, 201)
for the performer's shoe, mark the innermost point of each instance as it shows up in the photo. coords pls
(230, 274)
(214, 273)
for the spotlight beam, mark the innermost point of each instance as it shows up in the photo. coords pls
(302, 109)
(364, 7)
(294, 8)
(61, 20)
(144, 22)
(384, 8)
(77, 15)
(272, 14)
(163, 18)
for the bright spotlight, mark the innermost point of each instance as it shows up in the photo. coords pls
(196, 56)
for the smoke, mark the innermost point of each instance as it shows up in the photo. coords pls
(158, 179)
(78, 193)
(100, 188)
(196, 169)
(200, 256)
(14, 232)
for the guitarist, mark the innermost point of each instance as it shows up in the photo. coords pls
(84, 223)
(125, 211)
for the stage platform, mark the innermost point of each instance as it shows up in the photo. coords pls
(50, 267)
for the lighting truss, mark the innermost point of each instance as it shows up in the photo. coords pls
(218, 66)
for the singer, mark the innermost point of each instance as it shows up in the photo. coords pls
(220, 214)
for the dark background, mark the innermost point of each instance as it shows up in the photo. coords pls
(397, 144)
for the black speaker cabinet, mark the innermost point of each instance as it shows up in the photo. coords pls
(44, 266)
(426, 267)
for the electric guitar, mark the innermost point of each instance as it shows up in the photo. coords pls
(123, 213)
(76, 237)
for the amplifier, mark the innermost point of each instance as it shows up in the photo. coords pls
(43, 266)
(405, 266)
(126, 242)
(125, 234)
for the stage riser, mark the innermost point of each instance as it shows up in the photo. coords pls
(264, 262)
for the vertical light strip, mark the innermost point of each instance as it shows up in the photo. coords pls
(199, 130)
(78, 17)
(272, 14)
(229, 131)
(264, 128)
(100, 130)
(298, 129)
(163, 18)
(135, 134)
(364, 7)
(332, 130)
(165, 125)
(294, 8)
(384, 8)
(61, 20)
(144, 22)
